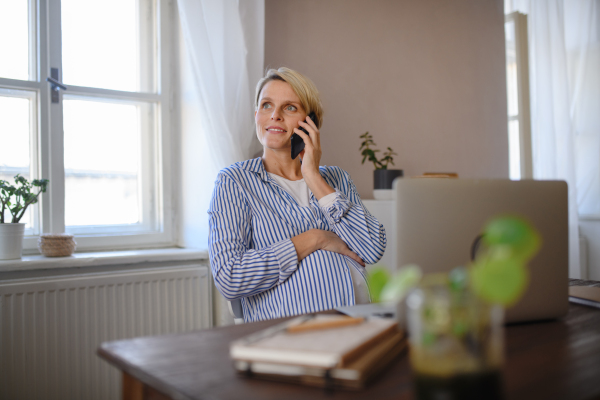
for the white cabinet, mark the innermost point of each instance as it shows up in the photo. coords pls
(384, 211)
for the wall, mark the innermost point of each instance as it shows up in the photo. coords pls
(426, 78)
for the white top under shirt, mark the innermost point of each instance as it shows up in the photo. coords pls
(300, 192)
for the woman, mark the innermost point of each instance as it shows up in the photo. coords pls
(287, 236)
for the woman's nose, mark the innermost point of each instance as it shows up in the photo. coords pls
(276, 116)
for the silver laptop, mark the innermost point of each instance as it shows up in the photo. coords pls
(437, 221)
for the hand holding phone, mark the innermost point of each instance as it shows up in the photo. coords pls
(297, 142)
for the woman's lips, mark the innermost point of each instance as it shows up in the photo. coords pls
(275, 129)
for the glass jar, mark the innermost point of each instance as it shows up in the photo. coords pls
(456, 343)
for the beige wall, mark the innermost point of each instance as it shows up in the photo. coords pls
(425, 77)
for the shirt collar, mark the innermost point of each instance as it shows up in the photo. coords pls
(255, 165)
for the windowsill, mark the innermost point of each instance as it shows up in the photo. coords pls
(105, 258)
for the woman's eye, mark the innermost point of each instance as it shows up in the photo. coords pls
(291, 108)
(266, 106)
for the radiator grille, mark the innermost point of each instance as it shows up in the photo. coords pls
(50, 328)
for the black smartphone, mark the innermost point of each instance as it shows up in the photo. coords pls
(297, 142)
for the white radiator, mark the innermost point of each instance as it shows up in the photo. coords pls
(50, 328)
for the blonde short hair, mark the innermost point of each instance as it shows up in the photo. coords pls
(304, 88)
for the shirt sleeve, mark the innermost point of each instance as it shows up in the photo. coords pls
(326, 201)
(238, 270)
(353, 223)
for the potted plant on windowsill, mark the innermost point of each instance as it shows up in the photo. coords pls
(383, 177)
(16, 199)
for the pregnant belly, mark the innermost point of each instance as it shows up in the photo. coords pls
(324, 280)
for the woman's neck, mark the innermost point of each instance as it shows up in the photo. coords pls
(279, 162)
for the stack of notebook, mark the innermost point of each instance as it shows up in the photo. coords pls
(322, 350)
(586, 295)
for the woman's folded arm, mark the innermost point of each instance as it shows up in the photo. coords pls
(352, 222)
(238, 270)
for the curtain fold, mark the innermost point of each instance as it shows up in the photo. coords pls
(224, 42)
(561, 39)
(221, 51)
(582, 38)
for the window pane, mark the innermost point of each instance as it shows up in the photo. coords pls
(102, 162)
(514, 150)
(108, 44)
(14, 39)
(511, 69)
(15, 131)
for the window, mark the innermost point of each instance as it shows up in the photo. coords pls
(102, 142)
(517, 84)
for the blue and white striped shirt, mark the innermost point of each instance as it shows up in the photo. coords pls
(252, 220)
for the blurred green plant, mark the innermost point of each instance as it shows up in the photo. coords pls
(17, 198)
(498, 275)
(369, 154)
(387, 287)
(377, 277)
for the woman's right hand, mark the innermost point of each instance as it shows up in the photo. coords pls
(332, 242)
(318, 239)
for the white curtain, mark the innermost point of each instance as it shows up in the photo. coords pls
(221, 59)
(582, 34)
(563, 41)
(224, 43)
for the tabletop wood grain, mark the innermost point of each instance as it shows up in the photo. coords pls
(545, 360)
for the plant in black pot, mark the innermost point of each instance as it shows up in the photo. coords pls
(383, 177)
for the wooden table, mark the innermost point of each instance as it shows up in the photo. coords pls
(545, 360)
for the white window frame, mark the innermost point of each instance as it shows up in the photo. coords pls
(32, 96)
(524, 112)
(47, 145)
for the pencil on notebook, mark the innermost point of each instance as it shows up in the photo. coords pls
(312, 325)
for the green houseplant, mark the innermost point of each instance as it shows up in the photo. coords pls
(383, 177)
(14, 200)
